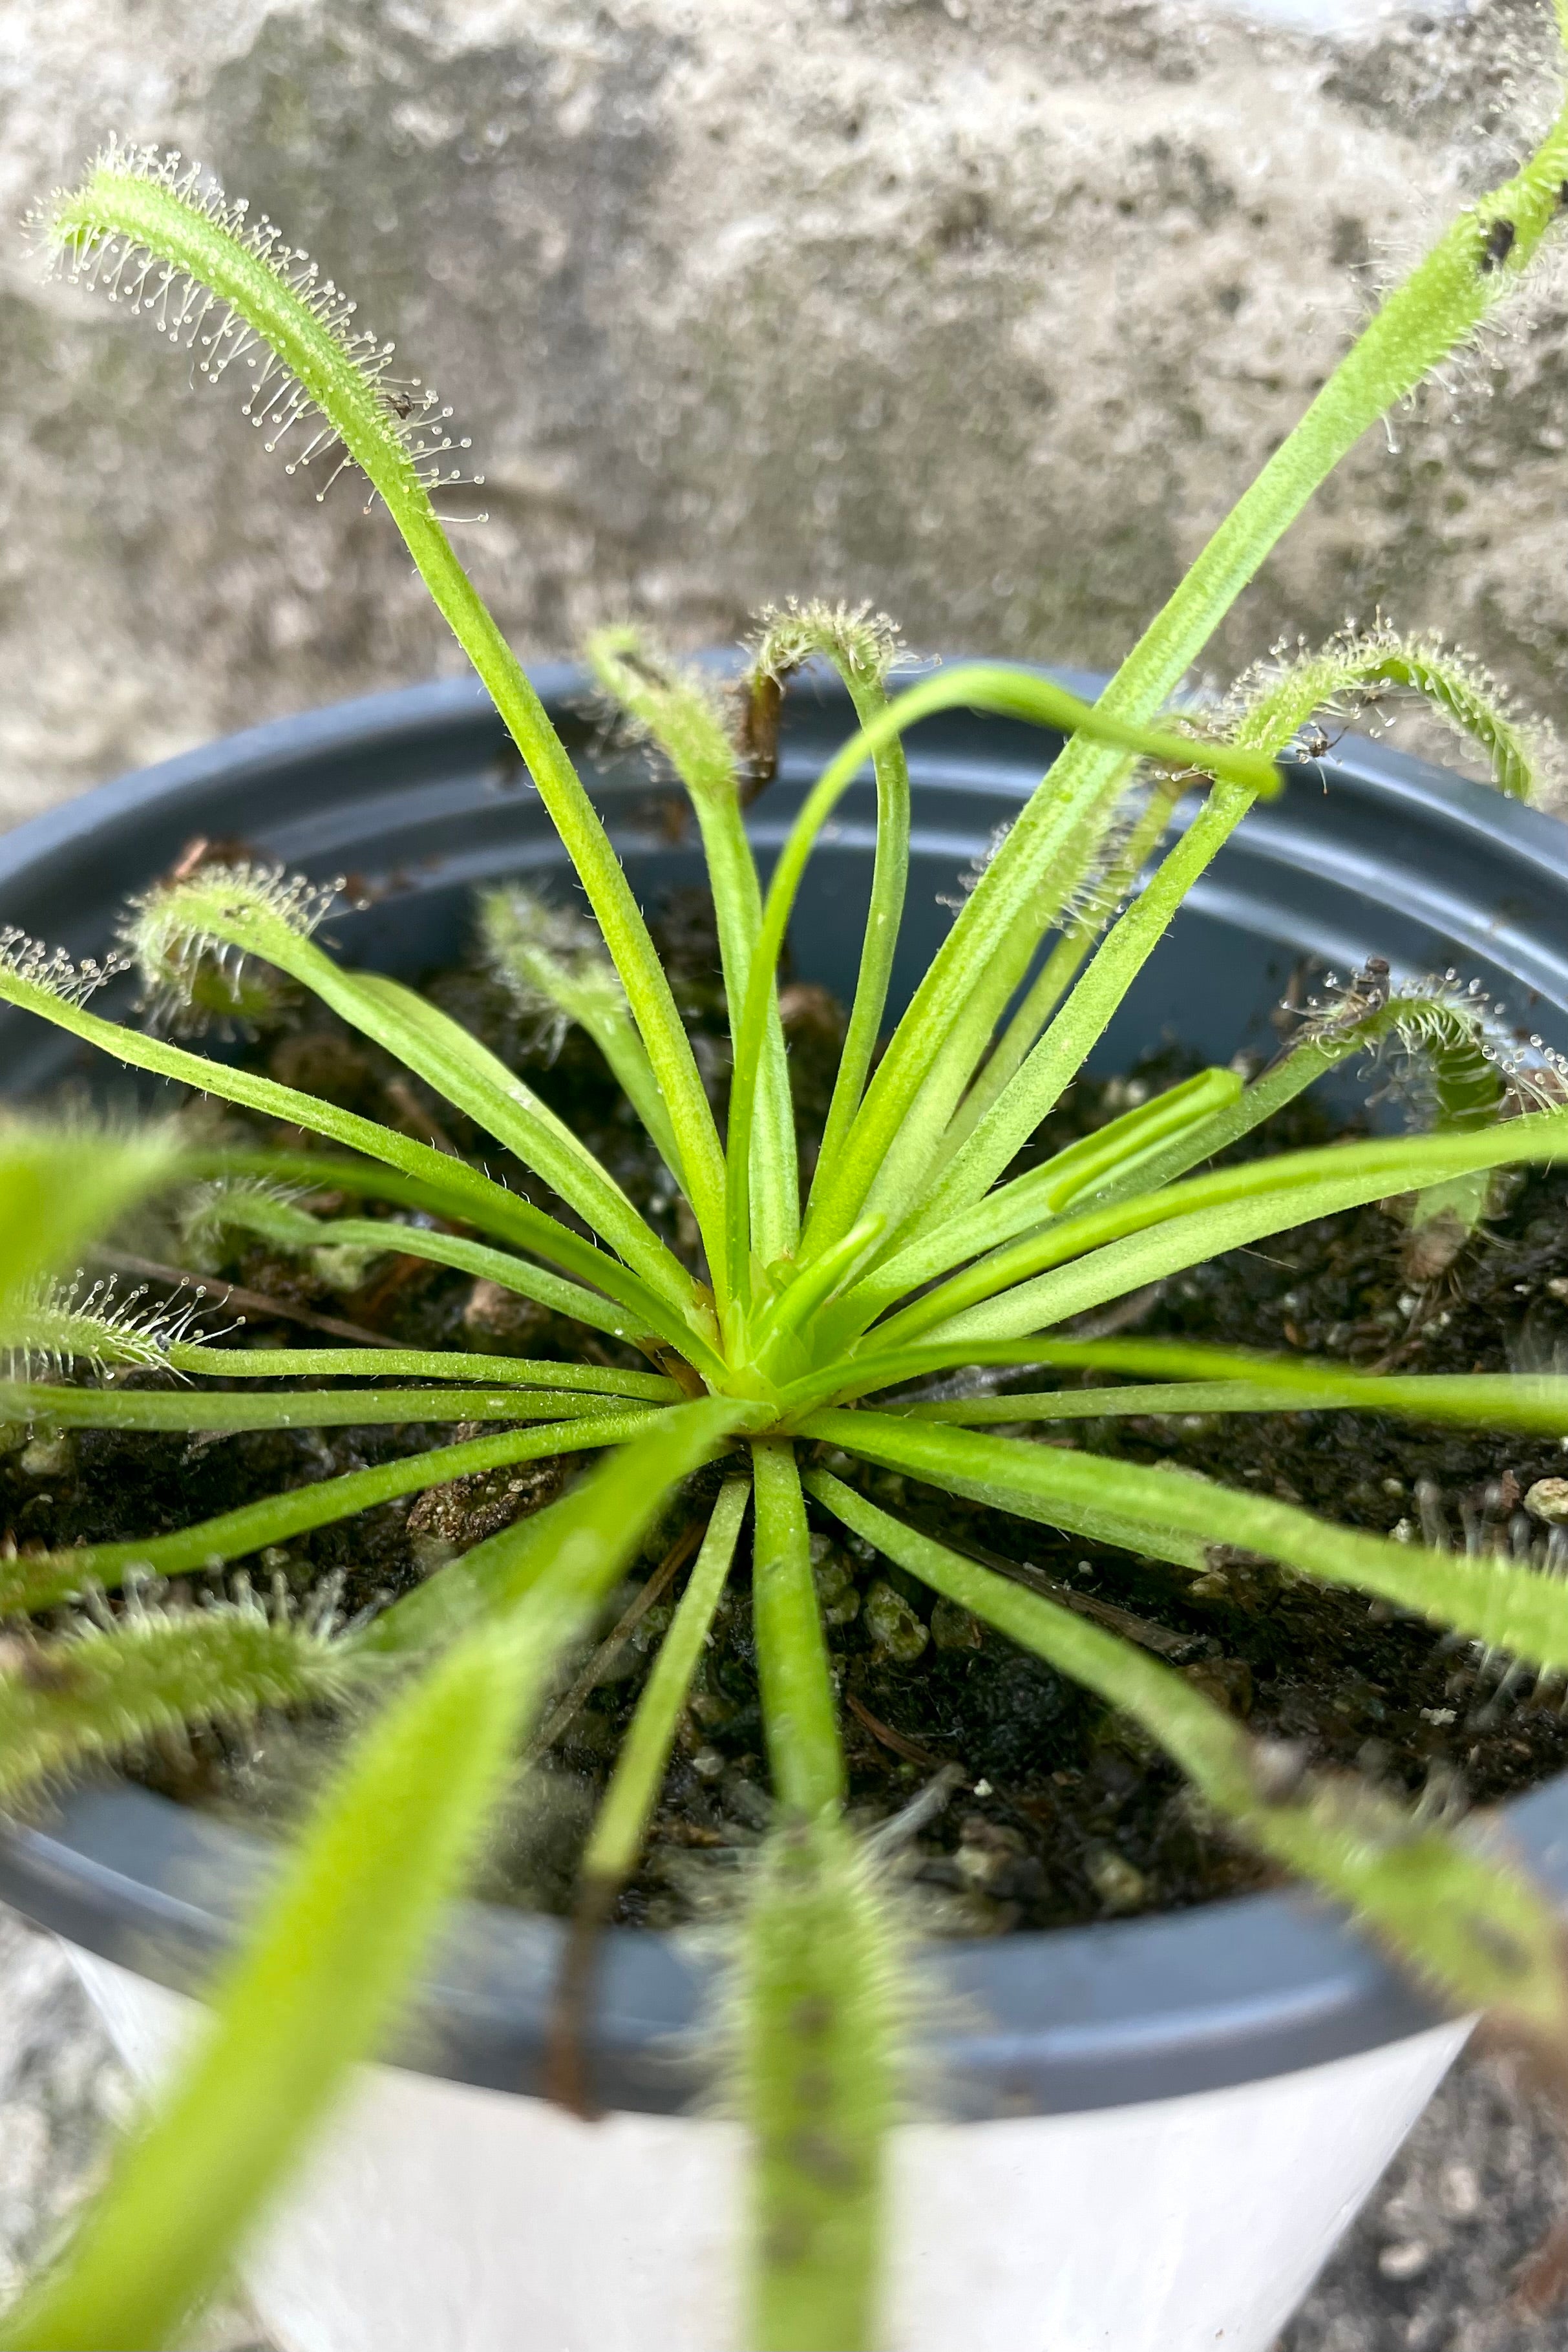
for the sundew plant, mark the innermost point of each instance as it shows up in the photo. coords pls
(788, 1346)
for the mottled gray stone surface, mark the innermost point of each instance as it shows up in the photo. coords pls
(1429, 2265)
(62, 2091)
(59, 2094)
(982, 308)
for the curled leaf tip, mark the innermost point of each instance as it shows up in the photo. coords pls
(148, 227)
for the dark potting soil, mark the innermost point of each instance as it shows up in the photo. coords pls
(1033, 1805)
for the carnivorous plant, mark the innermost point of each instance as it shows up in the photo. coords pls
(809, 1329)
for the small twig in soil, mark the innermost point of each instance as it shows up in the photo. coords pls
(565, 2063)
(1162, 1639)
(381, 1293)
(565, 2059)
(910, 1750)
(615, 1641)
(418, 1122)
(255, 1306)
(1121, 1317)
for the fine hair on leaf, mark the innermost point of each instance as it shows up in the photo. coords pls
(718, 1336)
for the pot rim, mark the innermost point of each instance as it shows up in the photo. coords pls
(1061, 2020)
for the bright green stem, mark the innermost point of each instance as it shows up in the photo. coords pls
(1017, 694)
(1489, 1600)
(889, 881)
(1438, 306)
(72, 1408)
(1076, 1175)
(799, 1710)
(114, 201)
(1472, 1926)
(419, 1364)
(1118, 1249)
(1061, 1053)
(622, 1819)
(1218, 1379)
(681, 714)
(36, 1580)
(1062, 966)
(816, 2015)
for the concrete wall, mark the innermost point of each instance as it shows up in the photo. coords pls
(981, 309)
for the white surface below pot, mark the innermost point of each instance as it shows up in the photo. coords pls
(433, 2217)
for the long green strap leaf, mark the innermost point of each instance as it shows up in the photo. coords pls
(1269, 725)
(127, 197)
(889, 882)
(1061, 1053)
(837, 1200)
(800, 1716)
(293, 1229)
(1472, 267)
(1311, 1058)
(433, 1189)
(1469, 1924)
(1082, 1171)
(440, 1051)
(1063, 963)
(1218, 1379)
(488, 1205)
(611, 1853)
(36, 1580)
(60, 1407)
(680, 713)
(244, 909)
(1487, 1599)
(417, 1363)
(818, 2005)
(1118, 1248)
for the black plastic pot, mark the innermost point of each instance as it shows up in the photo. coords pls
(420, 796)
